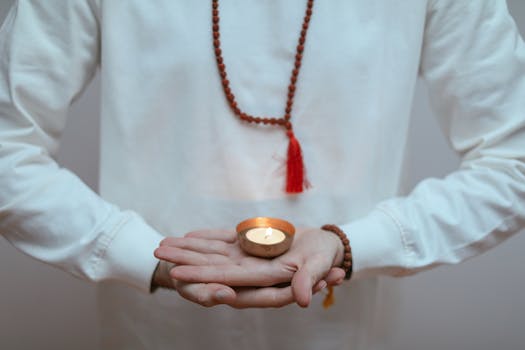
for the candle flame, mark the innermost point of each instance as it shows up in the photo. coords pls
(268, 233)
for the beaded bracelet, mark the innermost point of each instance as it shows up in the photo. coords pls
(347, 261)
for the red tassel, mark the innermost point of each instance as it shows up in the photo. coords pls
(295, 178)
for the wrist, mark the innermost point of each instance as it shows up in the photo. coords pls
(161, 276)
(343, 257)
(338, 248)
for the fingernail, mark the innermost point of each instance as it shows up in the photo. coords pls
(222, 295)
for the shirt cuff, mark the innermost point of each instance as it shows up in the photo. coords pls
(379, 246)
(128, 257)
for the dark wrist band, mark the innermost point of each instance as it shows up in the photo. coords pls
(347, 261)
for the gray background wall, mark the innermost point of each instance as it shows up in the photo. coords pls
(479, 304)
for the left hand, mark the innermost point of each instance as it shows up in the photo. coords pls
(214, 256)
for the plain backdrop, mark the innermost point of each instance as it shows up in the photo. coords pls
(479, 304)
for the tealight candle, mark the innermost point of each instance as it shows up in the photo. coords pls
(265, 237)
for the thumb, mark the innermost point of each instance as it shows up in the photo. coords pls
(305, 279)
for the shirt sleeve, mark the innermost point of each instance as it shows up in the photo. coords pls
(49, 51)
(473, 61)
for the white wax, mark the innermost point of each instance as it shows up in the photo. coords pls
(265, 235)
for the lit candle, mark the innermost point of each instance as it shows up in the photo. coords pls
(267, 235)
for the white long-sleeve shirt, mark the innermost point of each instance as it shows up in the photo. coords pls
(174, 158)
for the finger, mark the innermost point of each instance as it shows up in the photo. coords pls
(223, 235)
(188, 257)
(207, 295)
(263, 297)
(260, 273)
(197, 244)
(335, 276)
(319, 286)
(304, 281)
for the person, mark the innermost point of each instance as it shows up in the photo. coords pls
(176, 159)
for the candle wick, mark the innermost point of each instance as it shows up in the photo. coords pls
(268, 233)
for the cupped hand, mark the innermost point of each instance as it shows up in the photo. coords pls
(210, 263)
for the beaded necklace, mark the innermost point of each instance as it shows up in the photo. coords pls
(295, 177)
